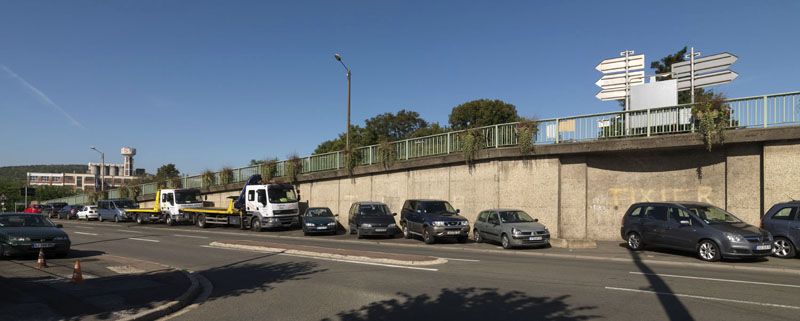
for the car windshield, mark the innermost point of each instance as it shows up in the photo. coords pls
(373, 210)
(125, 204)
(443, 208)
(24, 221)
(319, 212)
(714, 215)
(188, 196)
(514, 217)
(281, 195)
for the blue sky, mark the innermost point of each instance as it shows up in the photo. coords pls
(206, 84)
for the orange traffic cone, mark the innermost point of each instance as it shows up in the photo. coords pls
(41, 263)
(77, 276)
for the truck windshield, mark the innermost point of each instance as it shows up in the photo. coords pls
(125, 204)
(281, 195)
(188, 197)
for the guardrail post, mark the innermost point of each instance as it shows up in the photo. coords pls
(648, 120)
(337, 159)
(406, 149)
(496, 136)
(448, 142)
(556, 130)
(765, 111)
(370, 155)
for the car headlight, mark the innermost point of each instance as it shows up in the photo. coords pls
(733, 237)
(515, 231)
(19, 239)
(310, 224)
(391, 225)
(332, 224)
(365, 225)
(438, 223)
(61, 238)
(464, 223)
(546, 230)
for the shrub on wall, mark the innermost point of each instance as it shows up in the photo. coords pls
(527, 128)
(226, 175)
(712, 116)
(292, 168)
(472, 141)
(209, 178)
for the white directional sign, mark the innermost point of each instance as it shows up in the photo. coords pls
(615, 65)
(711, 63)
(618, 80)
(707, 79)
(612, 94)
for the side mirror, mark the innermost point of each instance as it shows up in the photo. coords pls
(686, 222)
(336, 215)
(394, 214)
(458, 211)
(536, 220)
(419, 211)
(59, 226)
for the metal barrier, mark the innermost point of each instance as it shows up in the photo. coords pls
(747, 112)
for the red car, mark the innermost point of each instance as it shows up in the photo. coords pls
(33, 209)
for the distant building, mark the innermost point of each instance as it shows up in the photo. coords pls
(115, 175)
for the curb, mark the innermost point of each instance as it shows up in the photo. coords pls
(173, 306)
(434, 261)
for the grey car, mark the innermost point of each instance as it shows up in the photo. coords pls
(709, 231)
(22, 233)
(783, 221)
(510, 227)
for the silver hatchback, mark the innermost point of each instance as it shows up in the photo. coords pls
(510, 227)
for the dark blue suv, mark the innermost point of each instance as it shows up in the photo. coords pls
(783, 222)
(433, 219)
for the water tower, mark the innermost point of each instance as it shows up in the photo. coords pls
(127, 160)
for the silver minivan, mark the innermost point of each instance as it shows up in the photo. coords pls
(114, 209)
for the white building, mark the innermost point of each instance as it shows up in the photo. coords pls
(113, 174)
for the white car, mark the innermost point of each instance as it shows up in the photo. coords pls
(88, 212)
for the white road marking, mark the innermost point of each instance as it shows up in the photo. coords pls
(79, 226)
(192, 236)
(335, 260)
(129, 231)
(705, 298)
(84, 233)
(718, 280)
(465, 260)
(145, 240)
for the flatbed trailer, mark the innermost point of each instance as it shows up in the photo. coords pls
(143, 215)
(203, 216)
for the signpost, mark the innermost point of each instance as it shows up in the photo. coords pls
(619, 75)
(703, 72)
(3, 202)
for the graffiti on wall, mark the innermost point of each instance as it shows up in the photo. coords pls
(624, 196)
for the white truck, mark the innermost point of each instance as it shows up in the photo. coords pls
(169, 206)
(258, 206)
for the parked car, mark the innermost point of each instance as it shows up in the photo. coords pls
(47, 210)
(510, 227)
(54, 208)
(319, 220)
(433, 219)
(69, 212)
(114, 209)
(371, 218)
(23, 233)
(783, 222)
(88, 212)
(707, 230)
(33, 209)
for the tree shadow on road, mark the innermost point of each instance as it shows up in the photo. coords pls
(468, 304)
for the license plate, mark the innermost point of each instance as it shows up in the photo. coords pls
(535, 238)
(453, 232)
(43, 245)
(380, 230)
(322, 227)
(764, 247)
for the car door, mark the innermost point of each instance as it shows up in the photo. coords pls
(480, 222)
(493, 228)
(653, 222)
(781, 221)
(794, 227)
(414, 217)
(676, 234)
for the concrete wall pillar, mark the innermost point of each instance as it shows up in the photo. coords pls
(743, 181)
(572, 197)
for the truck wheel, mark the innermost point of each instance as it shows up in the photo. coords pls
(170, 221)
(139, 219)
(201, 221)
(255, 224)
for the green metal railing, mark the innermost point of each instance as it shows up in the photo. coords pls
(747, 112)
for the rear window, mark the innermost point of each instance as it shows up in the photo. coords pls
(636, 212)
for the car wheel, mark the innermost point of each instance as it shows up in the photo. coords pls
(505, 241)
(707, 250)
(477, 235)
(352, 229)
(201, 221)
(462, 239)
(406, 232)
(783, 248)
(634, 241)
(358, 234)
(255, 224)
(99, 218)
(116, 218)
(427, 236)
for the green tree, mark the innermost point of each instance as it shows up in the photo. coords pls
(432, 129)
(482, 112)
(357, 135)
(390, 126)
(167, 171)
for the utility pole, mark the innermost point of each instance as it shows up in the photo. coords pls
(347, 136)
(692, 54)
(102, 168)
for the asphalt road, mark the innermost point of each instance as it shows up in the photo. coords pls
(493, 285)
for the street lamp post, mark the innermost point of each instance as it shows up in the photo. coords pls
(347, 135)
(102, 168)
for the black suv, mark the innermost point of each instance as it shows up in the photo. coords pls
(433, 219)
(371, 218)
(707, 230)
